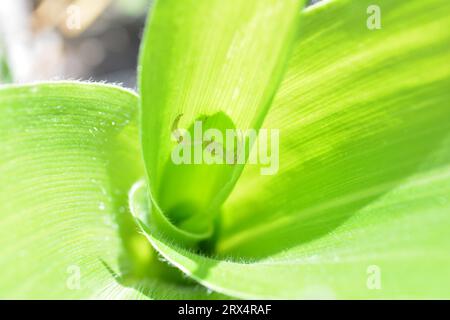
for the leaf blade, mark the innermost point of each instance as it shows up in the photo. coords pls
(383, 96)
(68, 155)
(208, 58)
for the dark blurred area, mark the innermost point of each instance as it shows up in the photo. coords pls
(96, 40)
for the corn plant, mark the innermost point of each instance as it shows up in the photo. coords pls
(93, 204)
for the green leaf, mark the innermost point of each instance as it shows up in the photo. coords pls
(69, 153)
(219, 62)
(364, 120)
(364, 179)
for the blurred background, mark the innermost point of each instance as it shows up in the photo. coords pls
(95, 40)
(71, 39)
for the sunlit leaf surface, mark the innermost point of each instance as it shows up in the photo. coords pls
(364, 178)
(211, 60)
(68, 156)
